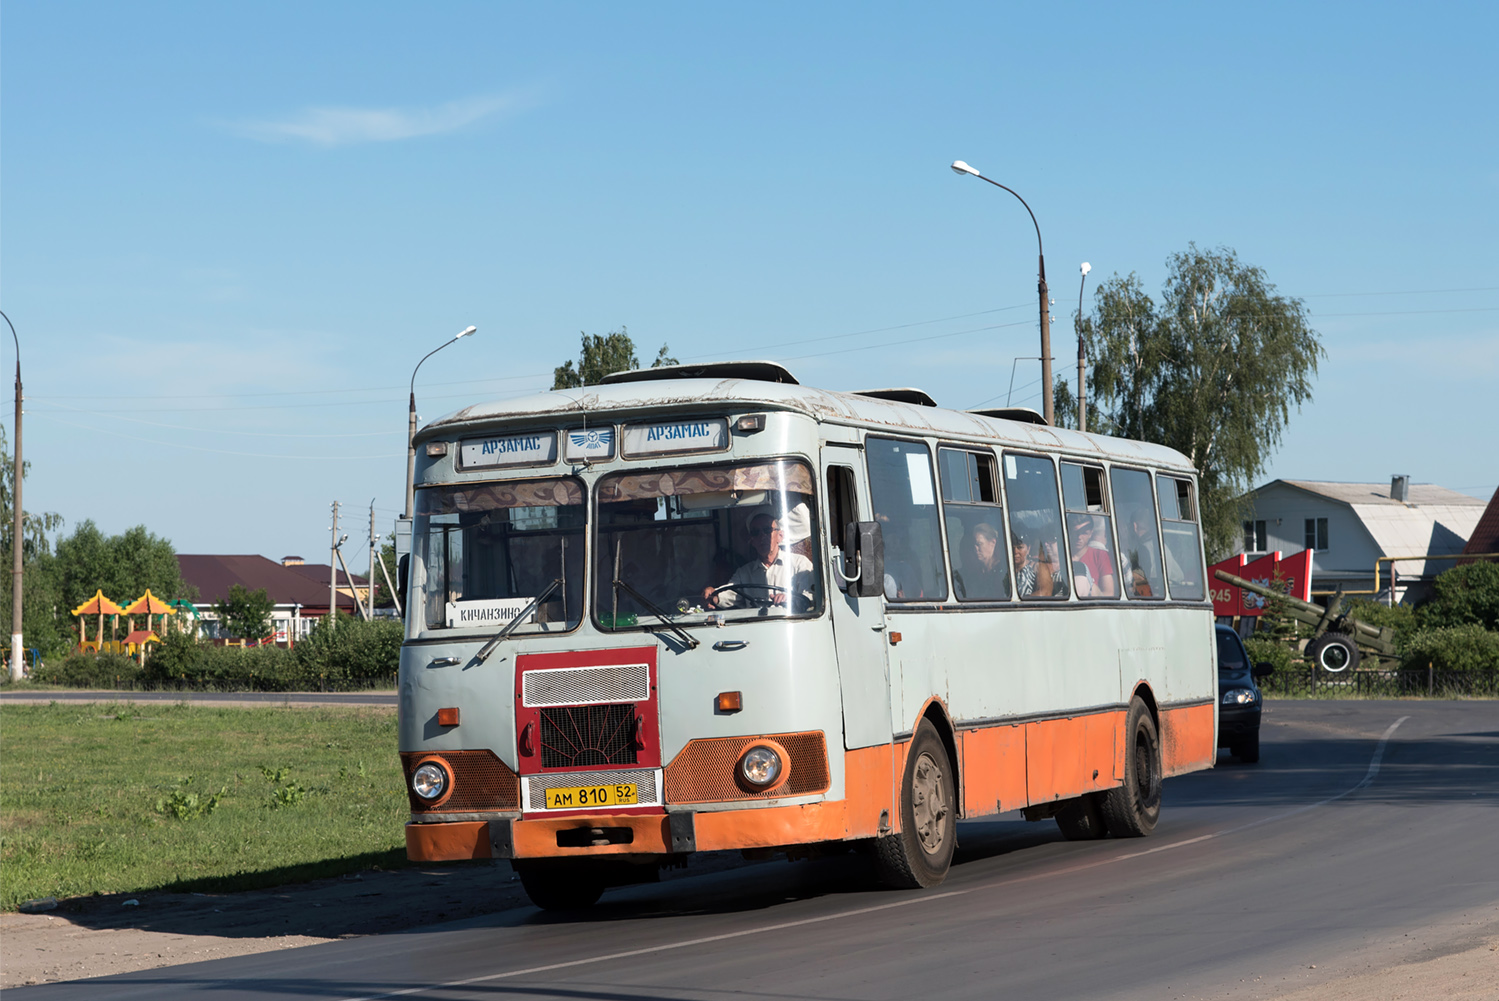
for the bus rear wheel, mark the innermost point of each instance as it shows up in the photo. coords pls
(922, 852)
(1131, 810)
(554, 886)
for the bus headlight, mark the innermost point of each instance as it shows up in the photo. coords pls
(1240, 697)
(760, 767)
(429, 781)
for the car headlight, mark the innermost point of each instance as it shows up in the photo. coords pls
(429, 781)
(1240, 697)
(760, 767)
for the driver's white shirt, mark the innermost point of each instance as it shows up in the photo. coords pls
(792, 572)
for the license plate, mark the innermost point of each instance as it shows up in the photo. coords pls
(583, 797)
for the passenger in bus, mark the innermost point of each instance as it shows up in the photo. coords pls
(1092, 566)
(1034, 577)
(771, 579)
(984, 573)
(1140, 555)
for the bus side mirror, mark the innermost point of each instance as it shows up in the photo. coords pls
(403, 567)
(864, 556)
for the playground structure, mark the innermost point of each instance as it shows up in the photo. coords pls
(136, 640)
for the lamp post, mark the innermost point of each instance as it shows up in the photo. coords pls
(17, 533)
(411, 422)
(1082, 354)
(959, 167)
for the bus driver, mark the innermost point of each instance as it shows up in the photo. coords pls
(770, 577)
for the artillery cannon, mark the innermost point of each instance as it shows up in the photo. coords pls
(1336, 638)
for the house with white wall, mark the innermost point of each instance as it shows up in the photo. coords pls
(1349, 526)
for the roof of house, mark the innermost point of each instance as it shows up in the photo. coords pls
(319, 572)
(1485, 537)
(213, 575)
(1432, 520)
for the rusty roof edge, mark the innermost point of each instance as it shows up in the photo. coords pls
(624, 400)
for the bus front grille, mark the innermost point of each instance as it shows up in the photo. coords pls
(583, 736)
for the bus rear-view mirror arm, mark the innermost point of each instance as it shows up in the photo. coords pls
(864, 558)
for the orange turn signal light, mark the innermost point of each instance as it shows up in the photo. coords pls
(730, 702)
(894, 638)
(447, 717)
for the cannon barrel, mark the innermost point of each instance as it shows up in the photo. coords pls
(1381, 640)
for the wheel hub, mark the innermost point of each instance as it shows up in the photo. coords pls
(929, 804)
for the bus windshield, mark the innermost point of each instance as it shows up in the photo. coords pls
(484, 551)
(707, 544)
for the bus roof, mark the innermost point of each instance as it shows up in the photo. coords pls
(637, 399)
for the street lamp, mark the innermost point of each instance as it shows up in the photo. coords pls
(17, 532)
(1082, 355)
(411, 422)
(959, 167)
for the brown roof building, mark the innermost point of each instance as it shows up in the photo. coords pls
(299, 598)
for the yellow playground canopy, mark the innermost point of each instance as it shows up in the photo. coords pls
(99, 605)
(147, 604)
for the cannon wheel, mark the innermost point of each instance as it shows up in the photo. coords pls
(1333, 652)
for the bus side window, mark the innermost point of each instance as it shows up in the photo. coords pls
(1139, 539)
(905, 504)
(1036, 549)
(843, 508)
(1090, 532)
(1183, 547)
(975, 525)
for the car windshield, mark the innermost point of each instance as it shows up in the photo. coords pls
(706, 544)
(484, 551)
(1230, 653)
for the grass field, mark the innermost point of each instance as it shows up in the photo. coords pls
(132, 797)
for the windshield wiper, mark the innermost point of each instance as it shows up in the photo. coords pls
(650, 606)
(547, 592)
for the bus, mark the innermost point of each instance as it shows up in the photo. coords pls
(705, 608)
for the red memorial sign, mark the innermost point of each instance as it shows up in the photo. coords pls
(1295, 572)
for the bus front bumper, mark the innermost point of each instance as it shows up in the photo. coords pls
(677, 833)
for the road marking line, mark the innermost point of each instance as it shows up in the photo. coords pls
(1374, 764)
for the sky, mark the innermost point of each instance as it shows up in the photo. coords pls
(229, 231)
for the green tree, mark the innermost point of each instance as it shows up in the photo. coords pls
(602, 355)
(122, 566)
(1212, 371)
(245, 614)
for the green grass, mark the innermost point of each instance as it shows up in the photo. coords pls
(130, 797)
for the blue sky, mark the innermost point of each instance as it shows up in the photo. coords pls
(227, 232)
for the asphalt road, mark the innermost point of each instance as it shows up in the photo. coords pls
(1365, 837)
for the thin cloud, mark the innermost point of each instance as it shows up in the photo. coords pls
(330, 127)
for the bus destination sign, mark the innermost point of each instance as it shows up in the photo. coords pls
(534, 449)
(485, 612)
(675, 437)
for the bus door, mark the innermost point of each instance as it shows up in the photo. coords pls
(858, 623)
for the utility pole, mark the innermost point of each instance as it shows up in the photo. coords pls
(1082, 354)
(374, 554)
(1046, 387)
(17, 533)
(333, 572)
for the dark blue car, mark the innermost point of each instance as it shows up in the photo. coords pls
(1239, 698)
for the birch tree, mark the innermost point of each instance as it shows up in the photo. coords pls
(1213, 371)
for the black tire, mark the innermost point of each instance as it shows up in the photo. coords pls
(1131, 810)
(1247, 749)
(1082, 819)
(1333, 652)
(922, 852)
(554, 887)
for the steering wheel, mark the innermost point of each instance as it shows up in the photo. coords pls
(740, 587)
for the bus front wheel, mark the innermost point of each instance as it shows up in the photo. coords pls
(1131, 810)
(922, 852)
(555, 886)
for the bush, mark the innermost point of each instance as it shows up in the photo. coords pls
(1263, 651)
(1465, 594)
(1467, 647)
(352, 651)
(86, 670)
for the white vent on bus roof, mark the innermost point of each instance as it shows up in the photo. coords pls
(581, 686)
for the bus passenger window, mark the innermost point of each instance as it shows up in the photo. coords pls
(905, 505)
(1036, 549)
(1090, 532)
(1183, 549)
(1139, 542)
(975, 526)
